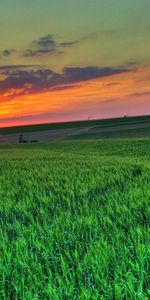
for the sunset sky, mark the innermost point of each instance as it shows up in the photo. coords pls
(63, 60)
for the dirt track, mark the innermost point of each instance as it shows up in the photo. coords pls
(42, 136)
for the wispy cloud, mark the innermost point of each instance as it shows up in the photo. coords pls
(107, 101)
(140, 94)
(42, 46)
(8, 52)
(47, 45)
(68, 44)
(16, 67)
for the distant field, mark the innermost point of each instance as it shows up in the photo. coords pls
(123, 132)
(74, 220)
(127, 127)
(75, 124)
(137, 127)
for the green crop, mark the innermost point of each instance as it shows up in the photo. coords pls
(74, 220)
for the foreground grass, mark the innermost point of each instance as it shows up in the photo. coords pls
(74, 220)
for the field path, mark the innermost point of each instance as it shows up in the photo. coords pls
(43, 136)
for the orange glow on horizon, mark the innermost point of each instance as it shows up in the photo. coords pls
(86, 96)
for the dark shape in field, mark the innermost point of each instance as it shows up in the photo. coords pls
(21, 140)
(24, 141)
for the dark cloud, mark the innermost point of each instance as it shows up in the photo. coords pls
(78, 74)
(47, 45)
(68, 44)
(38, 52)
(42, 46)
(34, 81)
(132, 63)
(8, 52)
(16, 67)
(46, 41)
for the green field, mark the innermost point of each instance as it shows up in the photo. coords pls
(74, 220)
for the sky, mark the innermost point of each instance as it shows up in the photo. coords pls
(64, 60)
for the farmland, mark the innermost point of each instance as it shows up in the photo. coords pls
(74, 219)
(125, 127)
